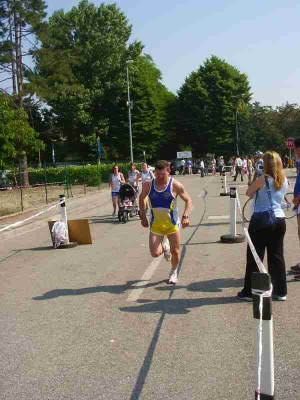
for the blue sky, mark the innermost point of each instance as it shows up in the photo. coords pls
(261, 38)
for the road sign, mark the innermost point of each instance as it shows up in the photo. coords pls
(289, 142)
(184, 154)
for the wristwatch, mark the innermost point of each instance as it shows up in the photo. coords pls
(185, 216)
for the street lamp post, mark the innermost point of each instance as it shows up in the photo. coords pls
(129, 105)
(237, 130)
(53, 151)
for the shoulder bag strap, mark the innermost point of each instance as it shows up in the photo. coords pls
(269, 192)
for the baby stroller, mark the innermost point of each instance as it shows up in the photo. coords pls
(128, 207)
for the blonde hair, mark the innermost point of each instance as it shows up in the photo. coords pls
(273, 167)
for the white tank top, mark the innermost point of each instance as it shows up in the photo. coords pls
(146, 176)
(132, 177)
(115, 182)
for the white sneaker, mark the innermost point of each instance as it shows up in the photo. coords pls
(167, 252)
(173, 276)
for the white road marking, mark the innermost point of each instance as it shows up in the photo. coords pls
(137, 291)
(219, 217)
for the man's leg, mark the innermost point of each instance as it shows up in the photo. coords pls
(296, 268)
(174, 240)
(155, 244)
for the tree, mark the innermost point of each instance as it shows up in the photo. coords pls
(16, 135)
(80, 70)
(151, 100)
(207, 104)
(20, 20)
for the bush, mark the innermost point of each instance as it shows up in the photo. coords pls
(91, 175)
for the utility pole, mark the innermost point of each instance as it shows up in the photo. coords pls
(129, 105)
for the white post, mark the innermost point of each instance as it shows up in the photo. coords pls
(261, 284)
(63, 213)
(233, 211)
(225, 184)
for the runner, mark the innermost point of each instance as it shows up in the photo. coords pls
(115, 181)
(163, 191)
(146, 176)
(133, 179)
(133, 176)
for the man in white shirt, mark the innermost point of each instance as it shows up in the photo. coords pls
(182, 163)
(202, 168)
(238, 167)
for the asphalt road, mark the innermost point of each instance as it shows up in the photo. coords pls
(100, 321)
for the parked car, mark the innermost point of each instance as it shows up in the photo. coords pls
(175, 167)
(5, 183)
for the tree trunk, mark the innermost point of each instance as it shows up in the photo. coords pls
(13, 57)
(24, 169)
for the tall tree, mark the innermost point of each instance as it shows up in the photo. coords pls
(80, 69)
(16, 134)
(20, 20)
(207, 105)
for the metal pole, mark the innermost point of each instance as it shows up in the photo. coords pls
(53, 153)
(63, 214)
(98, 180)
(237, 131)
(233, 211)
(129, 115)
(21, 183)
(46, 191)
(84, 185)
(261, 286)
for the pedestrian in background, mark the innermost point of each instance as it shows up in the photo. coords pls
(182, 164)
(189, 165)
(250, 169)
(202, 168)
(238, 168)
(213, 166)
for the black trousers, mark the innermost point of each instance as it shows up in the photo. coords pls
(238, 170)
(272, 240)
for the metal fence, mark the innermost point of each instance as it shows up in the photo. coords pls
(21, 192)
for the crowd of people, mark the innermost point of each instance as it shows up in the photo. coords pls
(267, 186)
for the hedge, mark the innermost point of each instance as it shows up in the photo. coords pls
(91, 175)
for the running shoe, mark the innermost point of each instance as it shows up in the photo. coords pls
(166, 249)
(241, 296)
(278, 298)
(173, 276)
(296, 268)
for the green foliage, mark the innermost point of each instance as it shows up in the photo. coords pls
(207, 104)
(81, 73)
(16, 135)
(91, 175)
(80, 68)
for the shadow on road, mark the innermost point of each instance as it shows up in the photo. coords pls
(115, 289)
(177, 306)
(103, 219)
(211, 286)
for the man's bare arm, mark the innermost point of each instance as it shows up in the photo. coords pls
(142, 201)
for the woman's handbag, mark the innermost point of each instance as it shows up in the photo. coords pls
(264, 219)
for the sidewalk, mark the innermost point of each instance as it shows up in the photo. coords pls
(78, 205)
